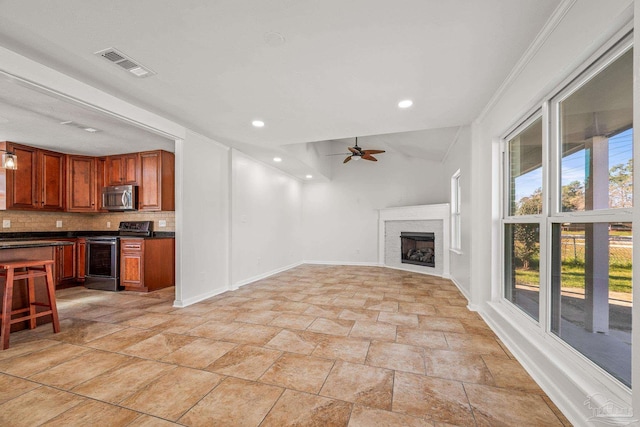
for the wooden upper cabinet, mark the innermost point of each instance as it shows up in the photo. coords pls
(51, 180)
(157, 181)
(38, 183)
(101, 180)
(21, 183)
(47, 180)
(82, 189)
(123, 169)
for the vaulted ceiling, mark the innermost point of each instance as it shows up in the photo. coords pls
(311, 70)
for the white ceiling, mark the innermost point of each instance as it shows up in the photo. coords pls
(340, 72)
(32, 117)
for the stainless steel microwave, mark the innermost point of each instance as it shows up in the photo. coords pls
(120, 198)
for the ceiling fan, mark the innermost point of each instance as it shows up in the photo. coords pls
(357, 153)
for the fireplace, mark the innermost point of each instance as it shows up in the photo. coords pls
(418, 248)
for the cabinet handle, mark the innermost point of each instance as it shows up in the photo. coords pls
(132, 246)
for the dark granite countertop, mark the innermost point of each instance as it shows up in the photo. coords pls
(71, 234)
(154, 236)
(21, 244)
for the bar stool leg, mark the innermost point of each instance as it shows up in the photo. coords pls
(7, 307)
(51, 291)
(31, 290)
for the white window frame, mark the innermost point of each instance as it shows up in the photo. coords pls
(547, 107)
(539, 219)
(456, 229)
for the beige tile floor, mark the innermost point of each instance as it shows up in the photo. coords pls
(314, 346)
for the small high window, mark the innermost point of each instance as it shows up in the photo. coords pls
(456, 238)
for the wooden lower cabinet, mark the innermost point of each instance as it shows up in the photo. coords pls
(147, 264)
(81, 259)
(65, 263)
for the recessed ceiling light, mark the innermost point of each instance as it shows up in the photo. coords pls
(138, 71)
(92, 130)
(406, 103)
(258, 123)
(277, 159)
(309, 176)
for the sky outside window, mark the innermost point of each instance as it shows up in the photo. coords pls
(573, 165)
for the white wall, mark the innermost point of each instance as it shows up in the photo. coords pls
(266, 220)
(571, 40)
(458, 158)
(340, 217)
(202, 219)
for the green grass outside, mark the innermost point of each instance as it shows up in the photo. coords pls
(573, 277)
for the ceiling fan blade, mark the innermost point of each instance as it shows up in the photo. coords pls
(369, 157)
(373, 151)
(353, 150)
(339, 154)
(347, 159)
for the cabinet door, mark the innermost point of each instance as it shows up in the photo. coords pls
(157, 181)
(130, 164)
(101, 180)
(122, 169)
(150, 181)
(81, 184)
(132, 263)
(68, 264)
(51, 180)
(21, 185)
(114, 170)
(81, 254)
(65, 264)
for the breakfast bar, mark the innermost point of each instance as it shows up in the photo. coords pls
(28, 250)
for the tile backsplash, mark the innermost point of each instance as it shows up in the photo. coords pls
(25, 221)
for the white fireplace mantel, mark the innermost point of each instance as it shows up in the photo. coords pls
(439, 212)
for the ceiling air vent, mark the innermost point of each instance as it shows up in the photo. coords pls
(80, 126)
(120, 59)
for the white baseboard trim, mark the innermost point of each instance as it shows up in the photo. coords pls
(189, 301)
(265, 275)
(427, 273)
(353, 263)
(464, 293)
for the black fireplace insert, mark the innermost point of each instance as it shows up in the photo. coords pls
(418, 248)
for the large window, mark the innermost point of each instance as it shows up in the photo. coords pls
(524, 206)
(591, 292)
(571, 239)
(525, 170)
(522, 272)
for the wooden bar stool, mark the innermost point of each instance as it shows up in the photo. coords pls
(28, 270)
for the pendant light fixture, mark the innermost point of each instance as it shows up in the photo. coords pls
(9, 160)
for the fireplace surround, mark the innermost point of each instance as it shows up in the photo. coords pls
(415, 219)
